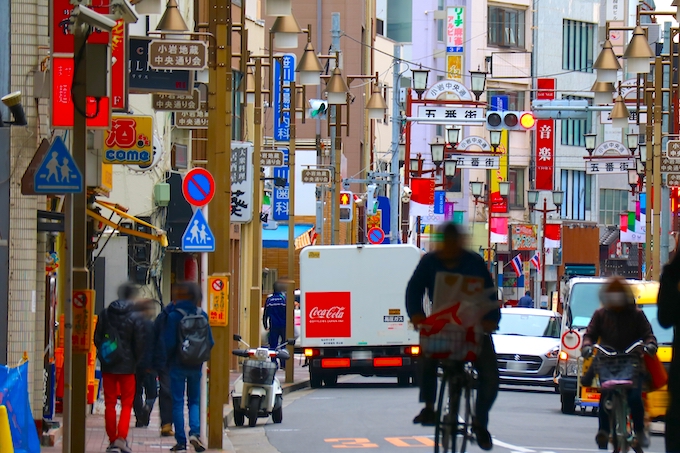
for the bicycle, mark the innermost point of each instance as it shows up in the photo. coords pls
(458, 379)
(619, 372)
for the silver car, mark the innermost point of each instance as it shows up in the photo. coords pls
(527, 345)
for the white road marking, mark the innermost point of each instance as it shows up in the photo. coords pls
(513, 448)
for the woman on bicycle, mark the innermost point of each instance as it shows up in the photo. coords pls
(452, 257)
(619, 324)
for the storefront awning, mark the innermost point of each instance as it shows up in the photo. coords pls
(278, 238)
(158, 236)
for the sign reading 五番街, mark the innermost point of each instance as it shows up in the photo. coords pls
(129, 141)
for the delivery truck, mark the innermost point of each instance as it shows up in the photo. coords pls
(353, 312)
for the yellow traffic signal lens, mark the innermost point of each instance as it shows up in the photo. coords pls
(527, 120)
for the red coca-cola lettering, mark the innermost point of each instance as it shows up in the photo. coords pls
(328, 315)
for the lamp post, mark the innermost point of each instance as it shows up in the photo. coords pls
(557, 198)
(478, 82)
(477, 188)
(420, 76)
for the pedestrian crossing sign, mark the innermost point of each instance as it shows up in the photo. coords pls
(198, 237)
(58, 172)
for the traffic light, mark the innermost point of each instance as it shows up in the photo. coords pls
(510, 120)
(371, 199)
(318, 109)
(346, 206)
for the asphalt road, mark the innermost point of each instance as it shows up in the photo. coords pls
(373, 414)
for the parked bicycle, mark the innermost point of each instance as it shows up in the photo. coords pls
(618, 373)
(453, 430)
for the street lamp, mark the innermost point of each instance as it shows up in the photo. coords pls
(632, 139)
(642, 149)
(402, 153)
(638, 54)
(607, 65)
(620, 113)
(278, 7)
(420, 80)
(450, 166)
(452, 135)
(557, 199)
(603, 92)
(376, 105)
(590, 140)
(336, 90)
(172, 19)
(495, 139)
(478, 82)
(437, 152)
(309, 68)
(633, 178)
(286, 31)
(415, 165)
(476, 187)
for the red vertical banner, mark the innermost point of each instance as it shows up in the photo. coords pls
(119, 67)
(62, 39)
(545, 154)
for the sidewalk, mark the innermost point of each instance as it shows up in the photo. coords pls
(147, 440)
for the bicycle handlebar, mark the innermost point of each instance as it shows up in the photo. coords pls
(630, 348)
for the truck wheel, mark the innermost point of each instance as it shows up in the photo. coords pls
(568, 403)
(403, 379)
(239, 416)
(314, 380)
(277, 413)
(253, 409)
(331, 380)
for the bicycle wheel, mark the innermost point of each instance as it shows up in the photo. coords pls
(443, 428)
(464, 427)
(620, 435)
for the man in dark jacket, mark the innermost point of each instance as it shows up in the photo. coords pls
(526, 301)
(669, 316)
(453, 258)
(619, 324)
(161, 367)
(274, 317)
(147, 386)
(119, 327)
(183, 377)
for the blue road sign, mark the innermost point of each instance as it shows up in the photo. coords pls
(58, 172)
(281, 195)
(282, 99)
(384, 206)
(198, 237)
(500, 103)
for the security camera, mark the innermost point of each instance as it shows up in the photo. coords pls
(13, 102)
(123, 10)
(406, 194)
(84, 15)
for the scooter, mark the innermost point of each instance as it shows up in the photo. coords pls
(257, 392)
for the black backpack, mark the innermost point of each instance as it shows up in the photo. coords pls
(194, 346)
(109, 351)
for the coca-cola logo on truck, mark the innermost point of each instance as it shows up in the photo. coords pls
(328, 314)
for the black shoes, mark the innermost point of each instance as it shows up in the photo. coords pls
(427, 417)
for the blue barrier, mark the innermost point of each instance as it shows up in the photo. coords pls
(14, 395)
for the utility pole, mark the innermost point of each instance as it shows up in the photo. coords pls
(395, 189)
(336, 140)
(220, 88)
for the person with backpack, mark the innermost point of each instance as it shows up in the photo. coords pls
(274, 318)
(119, 339)
(160, 363)
(188, 341)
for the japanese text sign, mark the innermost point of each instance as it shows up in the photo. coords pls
(281, 195)
(283, 70)
(609, 166)
(524, 237)
(62, 39)
(83, 306)
(242, 175)
(187, 55)
(455, 30)
(321, 176)
(271, 158)
(119, 67)
(98, 112)
(546, 88)
(673, 150)
(197, 119)
(545, 154)
(129, 141)
(176, 102)
(144, 79)
(449, 115)
(480, 161)
(218, 301)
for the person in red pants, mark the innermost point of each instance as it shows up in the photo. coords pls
(119, 338)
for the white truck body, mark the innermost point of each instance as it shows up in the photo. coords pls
(353, 309)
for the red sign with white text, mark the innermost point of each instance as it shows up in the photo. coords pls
(545, 154)
(99, 116)
(546, 89)
(62, 39)
(119, 67)
(328, 315)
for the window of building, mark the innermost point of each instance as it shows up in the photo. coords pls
(577, 188)
(515, 98)
(613, 203)
(578, 43)
(573, 130)
(440, 22)
(400, 20)
(506, 27)
(380, 27)
(516, 194)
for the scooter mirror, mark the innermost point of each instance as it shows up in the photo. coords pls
(237, 337)
(291, 341)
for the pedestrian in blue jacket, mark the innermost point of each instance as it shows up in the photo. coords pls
(160, 363)
(274, 318)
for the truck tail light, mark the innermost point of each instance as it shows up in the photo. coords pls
(335, 363)
(387, 361)
(413, 350)
(309, 352)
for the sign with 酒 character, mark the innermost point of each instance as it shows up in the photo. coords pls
(316, 176)
(449, 115)
(129, 141)
(176, 102)
(271, 158)
(144, 79)
(83, 310)
(197, 119)
(479, 161)
(242, 181)
(218, 301)
(187, 55)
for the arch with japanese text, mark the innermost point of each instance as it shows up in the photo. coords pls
(611, 148)
(474, 140)
(448, 86)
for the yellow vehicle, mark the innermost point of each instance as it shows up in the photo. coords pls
(657, 401)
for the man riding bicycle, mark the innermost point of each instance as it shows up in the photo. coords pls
(618, 324)
(451, 257)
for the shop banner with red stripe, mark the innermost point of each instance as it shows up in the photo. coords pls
(545, 154)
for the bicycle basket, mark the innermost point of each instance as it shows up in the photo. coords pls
(618, 371)
(259, 372)
(452, 342)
